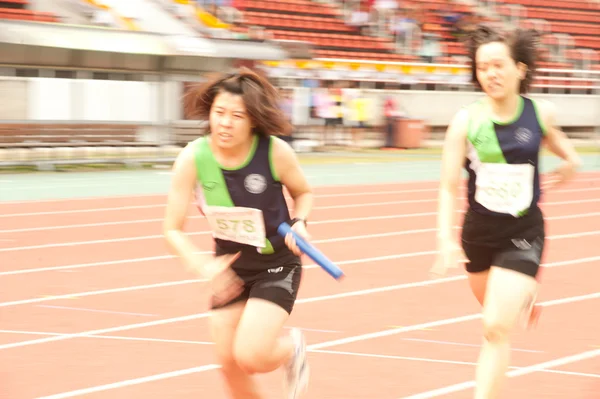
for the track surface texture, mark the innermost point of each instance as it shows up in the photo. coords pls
(92, 305)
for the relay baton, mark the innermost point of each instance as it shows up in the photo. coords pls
(312, 252)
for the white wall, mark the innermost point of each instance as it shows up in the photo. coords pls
(92, 100)
(161, 102)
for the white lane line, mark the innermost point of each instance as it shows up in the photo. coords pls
(316, 299)
(514, 373)
(310, 266)
(135, 381)
(442, 361)
(452, 343)
(96, 310)
(321, 222)
(438, 323)
(109, 337)
(521, 371)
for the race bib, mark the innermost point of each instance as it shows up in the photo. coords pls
(505, 188)
(238, 224)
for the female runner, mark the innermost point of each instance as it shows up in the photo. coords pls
(498, 139)
(238, 171)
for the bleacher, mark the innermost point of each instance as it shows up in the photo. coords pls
(570, 33)
(573, 26)
(19, 10)
(320, 24)
(571, 29)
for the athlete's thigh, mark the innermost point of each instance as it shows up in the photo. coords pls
(271, 301)
(508, 295)
(478, 283)
(512, 283)
(224, 323)
(479, 259)
(259, 329)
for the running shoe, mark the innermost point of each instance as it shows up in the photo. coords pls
(297, 371)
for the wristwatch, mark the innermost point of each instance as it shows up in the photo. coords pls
(296, 220)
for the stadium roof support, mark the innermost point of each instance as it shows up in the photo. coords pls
(32, 44)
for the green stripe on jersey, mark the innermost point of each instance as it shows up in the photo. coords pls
(482, 135)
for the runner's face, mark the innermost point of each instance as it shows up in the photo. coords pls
(230, 123)
(497, 73)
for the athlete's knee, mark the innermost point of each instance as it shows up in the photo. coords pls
(495, 329)
(227, 361)
(251, 358)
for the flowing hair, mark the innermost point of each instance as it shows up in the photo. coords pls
(522, 43)
(260, 98)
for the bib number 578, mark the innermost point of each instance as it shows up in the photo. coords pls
(233, 225)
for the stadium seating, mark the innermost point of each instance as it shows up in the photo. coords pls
(320, 24)
(572, 24)
(19, 10)
(91, 12)
(323, 25)
(571, 29)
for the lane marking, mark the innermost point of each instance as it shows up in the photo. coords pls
(581, 177)
(98, 292)
(442, 361)
(425, 329)
(514, 373)
(192, 217)
(359, 192)
(315, 330)
(102, 331)
(313, 348)
(96, 310)
(309, 300)
(452, 343)
(318, 222)
(438, 323)
(574, 373)
(307, 267)
(135, 381)
(114, 337)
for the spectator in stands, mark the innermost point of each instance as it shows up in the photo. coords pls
(255, 274)
(503, 234)
(382, 12)
(430, 47)
(360, 18)
(405, 29)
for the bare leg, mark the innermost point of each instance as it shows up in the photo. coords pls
(259, 348)
(223, 325)
(507, 293)
(478, 283)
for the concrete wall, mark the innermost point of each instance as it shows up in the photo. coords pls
(13, 99)
(158, 102)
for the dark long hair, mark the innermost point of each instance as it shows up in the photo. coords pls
(523, 45)
(260, 98)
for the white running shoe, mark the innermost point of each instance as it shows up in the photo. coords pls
(297, 371)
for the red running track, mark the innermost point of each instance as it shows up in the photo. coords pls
(92, 304)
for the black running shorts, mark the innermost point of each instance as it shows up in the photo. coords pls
(504, 241)
(277, 279)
